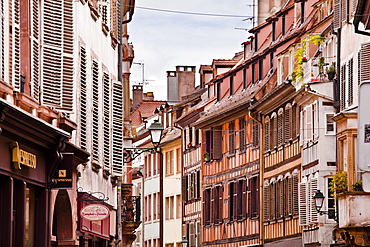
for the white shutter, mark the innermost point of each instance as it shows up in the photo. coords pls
(67, 79)
(337, 14)
(117, 118)
(302, 204)
(365, 62)
(95, 111)
(83, 98)
(106, 120)
(57, 56)
(314, 217)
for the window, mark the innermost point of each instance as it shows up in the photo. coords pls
(330, 124)
(178, 160)
(169, 163)
(253, 197)
(232, 201)
(217, 203)
(207, 207)
(253, 73)
(260, 70)
(178, 206)
(343, 87)
(350, 82)
(231, 85)
(331, 201)
(170, 207)
(218, 91)
(280, 127)
(273, 30)
(283, 25)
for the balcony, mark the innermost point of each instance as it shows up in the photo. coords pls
(354, 218)
(131, 209)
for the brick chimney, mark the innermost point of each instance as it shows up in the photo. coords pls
(137, 95)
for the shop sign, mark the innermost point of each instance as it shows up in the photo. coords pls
(63, 175)
(94, 212)
(21, 157)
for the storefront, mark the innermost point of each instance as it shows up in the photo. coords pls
(30, 152)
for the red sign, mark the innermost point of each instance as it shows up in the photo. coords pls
(94, 212)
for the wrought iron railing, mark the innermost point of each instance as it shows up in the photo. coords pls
(131, 208)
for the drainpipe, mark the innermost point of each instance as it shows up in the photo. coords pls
(161, 176)
(126, 94)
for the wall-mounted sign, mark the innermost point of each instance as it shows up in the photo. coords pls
(21, 157)
(95, 212)
(63, 175)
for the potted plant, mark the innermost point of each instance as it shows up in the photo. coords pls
(339, 182)
(357, 186)
(206, 156)
(331, 71)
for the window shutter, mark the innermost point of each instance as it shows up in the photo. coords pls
(273, 131)
(217, 143)
(290, 196)
(280, 127)
(83, 98)
(249, 198)
(35, 49)
(192, 234)
(14, 71)
(344, 10)
(350, 82)
(2, 41)
(184, 188)
(267, 134)
(365, 62)
(67, 76)
(115, 6)
(117, 130)
(231, 201)
(242, 131)
(106, 120)
(337, 14)
(303, 205)
(232, 138)
(280, 191)
(288, 123)
(199, 184)
(255, 133)
(266, 203)
(273, 202)
(95, 111)
(244, 199)
(314, 217)
(343, 87)
(295, 194)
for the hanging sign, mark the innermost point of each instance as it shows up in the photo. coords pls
(94, 212)
(63, 175)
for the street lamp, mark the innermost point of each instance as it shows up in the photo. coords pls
(184, 242)
(319, 202)
(155, 130)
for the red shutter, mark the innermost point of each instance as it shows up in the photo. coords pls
(266, 202)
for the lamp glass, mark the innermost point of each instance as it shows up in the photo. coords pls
(184, 242)
(156, 132)
(319, 200)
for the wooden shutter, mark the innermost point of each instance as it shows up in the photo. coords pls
(249, 198)
(14, 66)
(199, 184)
(350, 82)
(273, 201)
(267, 134)
(217, 143)
(290, 196)
(280, 127)
(266, 203)
(295, 193)
(343, 87)
(255, 133)
(344, 11)
(107, 120)
(83, 98)
(365, 62)
(2, 41)
(242, 131)
(117, 130)
(184, 187)
(337, 22)
(192, 233)
(288, 123)
(232, 137)
(243, 210)
(231, 201)
(303, 207)
(35, 49)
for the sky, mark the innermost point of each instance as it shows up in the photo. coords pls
(163, 40)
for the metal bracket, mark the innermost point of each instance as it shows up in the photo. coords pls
(91, 196)
(129, 154)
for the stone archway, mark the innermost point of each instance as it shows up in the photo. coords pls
(62, 218)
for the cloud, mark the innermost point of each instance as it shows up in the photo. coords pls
(164, 40)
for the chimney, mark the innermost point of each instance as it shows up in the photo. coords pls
(180, 83)
(149, 96)
(137, 95)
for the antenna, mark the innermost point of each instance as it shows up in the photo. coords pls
(143, 80)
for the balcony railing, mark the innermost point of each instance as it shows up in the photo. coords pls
(131, 208)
